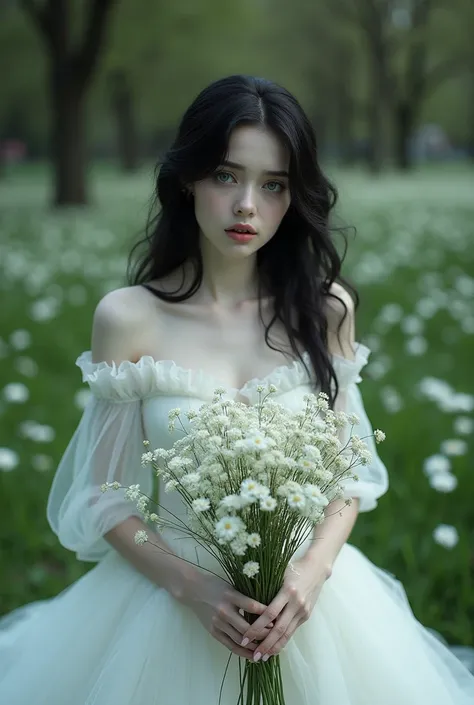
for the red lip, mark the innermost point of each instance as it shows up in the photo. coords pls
(243, 226)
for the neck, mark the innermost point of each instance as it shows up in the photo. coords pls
(227, 282)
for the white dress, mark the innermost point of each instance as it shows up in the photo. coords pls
(115, 638)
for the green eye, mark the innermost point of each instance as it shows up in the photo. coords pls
(275, 186)
(223, 177)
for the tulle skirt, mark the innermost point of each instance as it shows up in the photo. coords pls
(114, 638)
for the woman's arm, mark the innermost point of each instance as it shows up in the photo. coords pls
(116, 335)
(331, 535)
(154, 558)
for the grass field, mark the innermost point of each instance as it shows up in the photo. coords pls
(413, 262)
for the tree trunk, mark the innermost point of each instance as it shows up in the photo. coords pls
(70, 73)
(345, 122)
(123, 108)
(404, 115)
(375, 151)
(68, 139)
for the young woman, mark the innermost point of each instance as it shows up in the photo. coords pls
(238, 284)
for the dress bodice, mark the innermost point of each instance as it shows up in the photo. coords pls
(130, 402)
(163, 385)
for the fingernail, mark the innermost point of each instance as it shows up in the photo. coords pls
(266, 657)
(257, 656)
(244, 642)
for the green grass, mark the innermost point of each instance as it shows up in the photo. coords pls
(414, 241)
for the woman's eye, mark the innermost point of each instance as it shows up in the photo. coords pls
(275, 186)
(223, 177)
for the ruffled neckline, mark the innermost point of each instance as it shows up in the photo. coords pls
(150, 377)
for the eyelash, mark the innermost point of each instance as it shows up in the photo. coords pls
(218, 173)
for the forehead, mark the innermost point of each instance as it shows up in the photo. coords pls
(258, 149)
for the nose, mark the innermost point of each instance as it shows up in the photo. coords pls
(245, 203)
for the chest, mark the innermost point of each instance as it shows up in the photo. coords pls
(231, 347)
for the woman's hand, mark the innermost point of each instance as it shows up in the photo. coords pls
(290, 608)
(219, 608)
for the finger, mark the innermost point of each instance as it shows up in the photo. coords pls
(236, 635)
(278, 632)
(283, 641)
(248, 604)
(241, 625)
(270, 615)
(231, 645)
(241, 611)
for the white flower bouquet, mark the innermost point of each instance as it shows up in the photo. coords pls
(255, 482)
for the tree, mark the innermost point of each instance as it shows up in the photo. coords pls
(71, 69)
(404, 63)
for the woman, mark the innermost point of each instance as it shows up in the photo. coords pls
(238, 284)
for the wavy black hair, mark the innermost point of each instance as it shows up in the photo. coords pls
(300, 263)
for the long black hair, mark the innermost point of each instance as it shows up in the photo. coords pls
(300, 263)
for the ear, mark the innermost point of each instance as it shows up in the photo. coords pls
(188, 190)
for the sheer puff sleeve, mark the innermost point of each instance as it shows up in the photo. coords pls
(106, 446)
(373, 478)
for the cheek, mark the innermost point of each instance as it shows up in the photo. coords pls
(275, 211)
(209, 201)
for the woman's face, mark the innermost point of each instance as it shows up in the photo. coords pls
(250, 188)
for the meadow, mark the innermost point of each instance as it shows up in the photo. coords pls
(412, 261)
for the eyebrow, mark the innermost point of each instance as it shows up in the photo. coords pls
(234, 165)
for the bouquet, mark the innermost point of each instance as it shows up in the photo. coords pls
(255, 482)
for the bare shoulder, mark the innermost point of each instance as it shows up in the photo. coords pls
(120, 324)
(340, 312)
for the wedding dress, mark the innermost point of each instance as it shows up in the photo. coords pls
(115, 638)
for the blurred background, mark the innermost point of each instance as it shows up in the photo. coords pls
(90, 95)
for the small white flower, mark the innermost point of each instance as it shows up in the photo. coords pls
(201, 504)
(416, 346)
(296, 500)
(228, 527)
(436, 463)
(171, 485)
(256, 441)
(239, 545)
(250, 487)
(254, 540)
(443, 482)
(133, 492)
(251, 569)
(314, 494)
(9, 459)
(268, 504)
(261, 492)
(160, 453)
(232, 501)
(379, 435)
(16, 392)
(306, 465)
(147, 458)
(454, 446)
(141, 537)
(446, 535)
(142, 504)
(312, 452)
(463, 425)
(190, 480)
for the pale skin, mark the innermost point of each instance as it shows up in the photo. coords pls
(222, 321)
